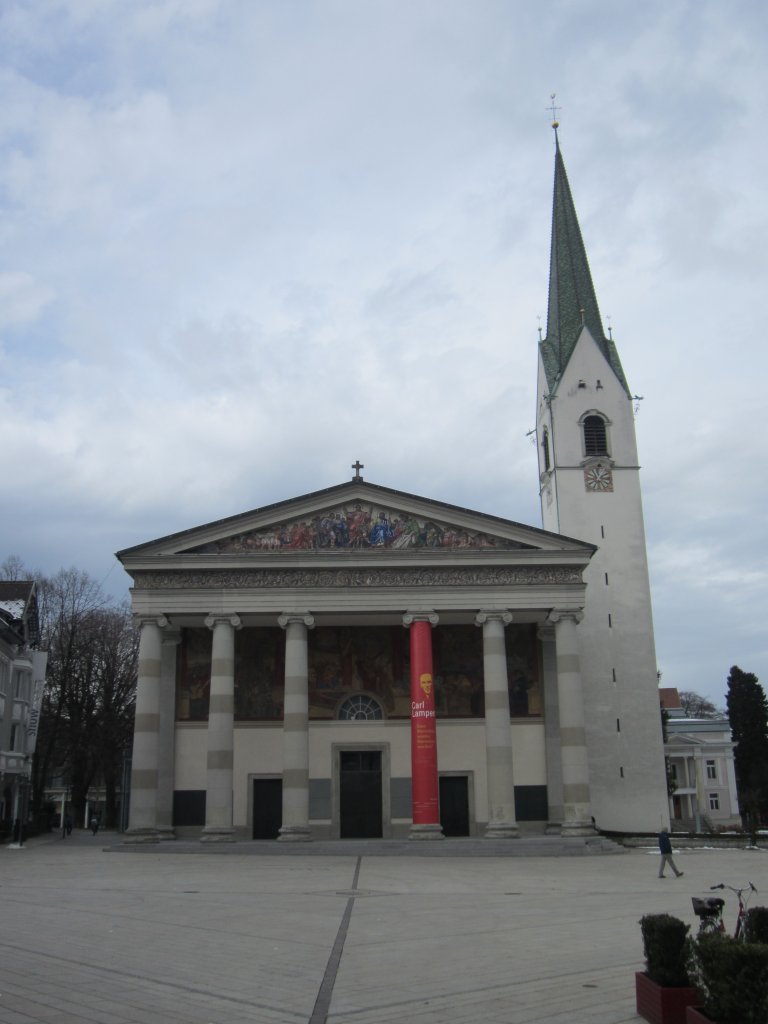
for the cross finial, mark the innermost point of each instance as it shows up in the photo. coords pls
(553, 110)
(610, 329)
(539, 319)
(357, 465)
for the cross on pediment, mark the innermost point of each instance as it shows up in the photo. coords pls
(357, 466)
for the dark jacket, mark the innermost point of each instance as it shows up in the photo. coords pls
(664, 842)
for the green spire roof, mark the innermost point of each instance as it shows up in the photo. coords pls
(572, 299)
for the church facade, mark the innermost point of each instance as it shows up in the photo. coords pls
(364, 662)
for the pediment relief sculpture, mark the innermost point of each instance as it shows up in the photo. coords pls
(357, 525)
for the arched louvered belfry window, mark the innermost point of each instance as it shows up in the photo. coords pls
(595, 437)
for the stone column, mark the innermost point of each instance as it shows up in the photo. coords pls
(143, 825)
(221, 731)
(577, 813)
(425, 789)
(166, 753)
(498, 729)
(552, 753)
(295, 827)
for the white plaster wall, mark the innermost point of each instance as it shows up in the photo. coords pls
(191, 756)
(259, 751)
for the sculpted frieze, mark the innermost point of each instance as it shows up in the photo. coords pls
(243, 579)
(356, 526)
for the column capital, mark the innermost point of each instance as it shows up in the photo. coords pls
(502, 615)
(231, 618)
(422, 616)
(565, 614)
(287, 618)
(161, 621)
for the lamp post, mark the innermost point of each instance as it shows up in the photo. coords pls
(22, 807)
(24, 783)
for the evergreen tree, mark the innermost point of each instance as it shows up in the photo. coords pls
(748, 714)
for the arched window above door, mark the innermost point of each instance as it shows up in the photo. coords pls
(360, 707)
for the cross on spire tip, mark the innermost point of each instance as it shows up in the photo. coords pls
(553, 110)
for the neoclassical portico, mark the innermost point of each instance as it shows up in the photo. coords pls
(358, 661)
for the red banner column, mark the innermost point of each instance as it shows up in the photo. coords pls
(425, 791)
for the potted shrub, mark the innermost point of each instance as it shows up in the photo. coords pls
(756, 925)
(733, 979)
(664, 990)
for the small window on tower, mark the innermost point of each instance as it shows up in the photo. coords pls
(595, 439)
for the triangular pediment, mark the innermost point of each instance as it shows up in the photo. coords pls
(685, 739)
(356, 517)
(360, 525)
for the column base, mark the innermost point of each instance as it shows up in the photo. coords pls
(165, 835)
(426, 832)
(502, 830)
(141, 835)
(577, 828)
(295, 834)
(217, 834)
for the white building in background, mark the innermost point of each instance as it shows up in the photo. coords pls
(700, 754)
(22, 681)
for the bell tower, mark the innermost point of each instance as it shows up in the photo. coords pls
(590, 489)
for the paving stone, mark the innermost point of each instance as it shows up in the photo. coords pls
(183, 936)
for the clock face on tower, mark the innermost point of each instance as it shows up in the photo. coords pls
(598, 478)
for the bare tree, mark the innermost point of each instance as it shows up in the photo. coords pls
(117, 642)
(87, 712)
(696, 706)
(13, 568)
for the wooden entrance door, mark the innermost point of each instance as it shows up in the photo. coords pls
(360, 794)
(267, 808)
(454, 805)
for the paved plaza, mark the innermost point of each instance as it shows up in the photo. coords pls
(156, 936)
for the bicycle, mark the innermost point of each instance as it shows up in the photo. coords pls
(710, 910)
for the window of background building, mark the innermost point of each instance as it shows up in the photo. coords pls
(714, 802)
(711, 770)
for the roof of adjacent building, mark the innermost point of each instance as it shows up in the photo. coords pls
(18, 610)
(669, 698)
(572, 299)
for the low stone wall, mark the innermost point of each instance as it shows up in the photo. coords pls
(691, 840)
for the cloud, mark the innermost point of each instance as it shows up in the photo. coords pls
(243, 245)
(22, 298)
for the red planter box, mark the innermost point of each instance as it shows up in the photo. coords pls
(695, 1015)
(663, 1005)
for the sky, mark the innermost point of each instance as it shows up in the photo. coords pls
(244, 243)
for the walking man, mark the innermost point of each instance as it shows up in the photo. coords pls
(665, 847)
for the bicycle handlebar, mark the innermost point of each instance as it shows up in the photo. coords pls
(722, 885)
